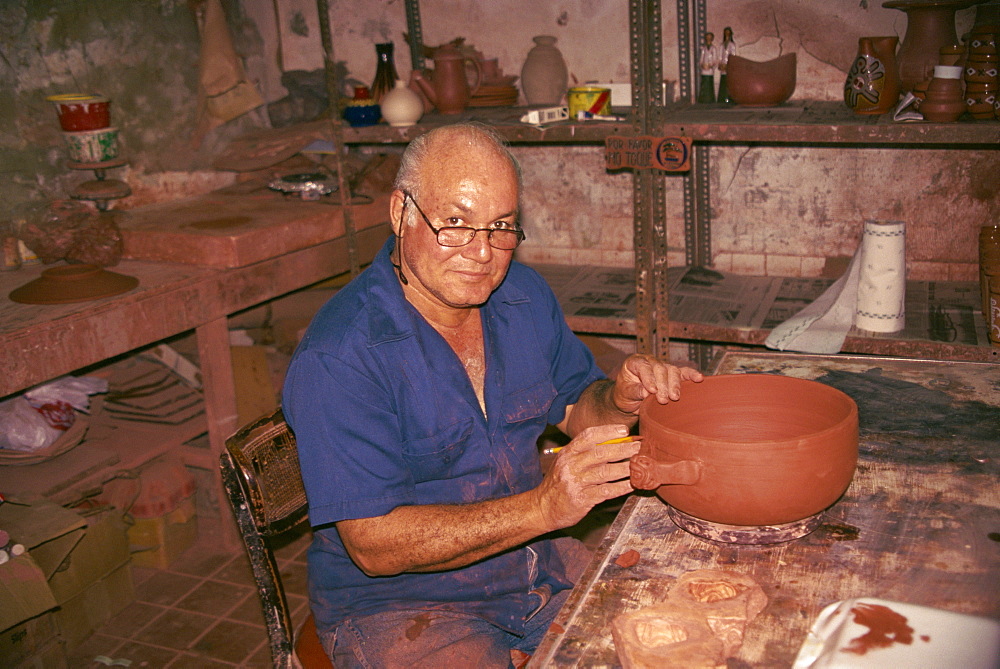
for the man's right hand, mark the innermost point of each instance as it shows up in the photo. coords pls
(585, 473)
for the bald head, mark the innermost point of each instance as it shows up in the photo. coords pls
(465, 142)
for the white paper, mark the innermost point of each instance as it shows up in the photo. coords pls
(882, 279)
(875, 280)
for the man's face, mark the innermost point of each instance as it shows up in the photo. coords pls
(459, 185)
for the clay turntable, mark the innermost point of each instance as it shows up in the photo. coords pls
(748, 458)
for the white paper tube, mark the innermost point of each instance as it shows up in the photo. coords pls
(882, 277)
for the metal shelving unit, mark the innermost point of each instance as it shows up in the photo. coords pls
(811, 123)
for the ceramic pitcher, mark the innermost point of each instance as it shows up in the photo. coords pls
(448, 87)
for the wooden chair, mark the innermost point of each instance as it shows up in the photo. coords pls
(260, 472)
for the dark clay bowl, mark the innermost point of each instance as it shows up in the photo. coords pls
(756, 84)
(749, 449)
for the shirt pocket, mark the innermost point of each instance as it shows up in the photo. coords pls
(529, 403)
(435, 457)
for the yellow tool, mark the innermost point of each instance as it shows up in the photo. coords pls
(619, 440)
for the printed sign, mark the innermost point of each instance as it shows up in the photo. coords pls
(671, 154)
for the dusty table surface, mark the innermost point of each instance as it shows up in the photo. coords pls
(920, 523)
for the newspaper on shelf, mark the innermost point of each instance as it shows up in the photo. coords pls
(945, 311)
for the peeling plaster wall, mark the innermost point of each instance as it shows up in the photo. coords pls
(143, 55)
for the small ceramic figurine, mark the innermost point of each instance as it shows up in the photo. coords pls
(708, 60)
(728, 49)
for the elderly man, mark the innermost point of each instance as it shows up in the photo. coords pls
(417, 397)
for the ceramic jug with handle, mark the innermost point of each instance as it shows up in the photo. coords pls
(447, 87)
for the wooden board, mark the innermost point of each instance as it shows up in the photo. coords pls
(235, 228)
(919, 523)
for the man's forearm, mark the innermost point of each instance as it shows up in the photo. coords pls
(437, 537)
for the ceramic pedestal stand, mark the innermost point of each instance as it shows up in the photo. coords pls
(100, 190)
(744, 534)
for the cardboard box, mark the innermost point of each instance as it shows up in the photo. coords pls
(78, 617)
(49, 655)
(77, 569)
(25, 598)
(49, 532)
(103, 548)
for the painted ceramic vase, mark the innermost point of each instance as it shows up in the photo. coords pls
(544, 76)
(979, 100)
(872, 85)
(983, 39)
(748, 449)
(981, 68)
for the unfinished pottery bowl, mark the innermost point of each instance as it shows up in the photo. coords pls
(748, 449)
(756, 84)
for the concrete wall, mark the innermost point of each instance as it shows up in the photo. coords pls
(774, 210)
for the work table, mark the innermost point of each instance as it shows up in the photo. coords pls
(42, 342)
(920, 523)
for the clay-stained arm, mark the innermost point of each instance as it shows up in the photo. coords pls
(439, 537)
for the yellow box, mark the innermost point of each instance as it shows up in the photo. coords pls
(156, 542)
(593, 99)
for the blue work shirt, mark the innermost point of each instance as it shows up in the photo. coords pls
(385, 415)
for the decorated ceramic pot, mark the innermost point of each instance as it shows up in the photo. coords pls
(748, 449)
(979, 100)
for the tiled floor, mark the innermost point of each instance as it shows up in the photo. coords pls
(202, 611)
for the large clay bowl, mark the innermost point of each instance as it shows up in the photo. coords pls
(755, 84)
(749, 449)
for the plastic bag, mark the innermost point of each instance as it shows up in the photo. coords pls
(34, 420)
(73, 390)
(24, 429)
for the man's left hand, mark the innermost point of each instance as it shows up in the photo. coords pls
(643, 375)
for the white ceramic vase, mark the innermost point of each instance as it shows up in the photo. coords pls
(544, 75)
(401, 106)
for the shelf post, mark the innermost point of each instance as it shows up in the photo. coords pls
(648, 186)
(415, 34)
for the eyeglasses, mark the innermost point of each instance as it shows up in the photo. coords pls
(461, 235)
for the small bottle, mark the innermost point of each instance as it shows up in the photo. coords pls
(385, 71)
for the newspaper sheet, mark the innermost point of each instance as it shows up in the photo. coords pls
(947, 311)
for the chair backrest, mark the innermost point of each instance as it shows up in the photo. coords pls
(260, 471)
